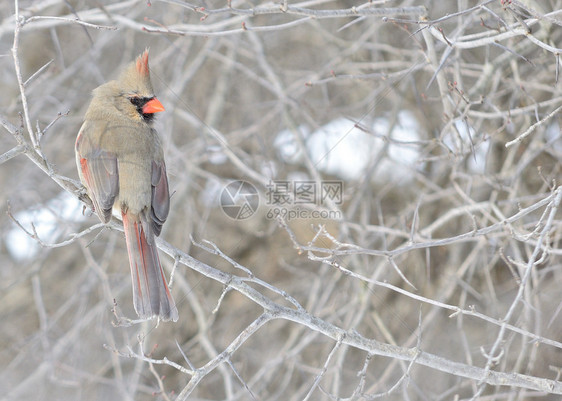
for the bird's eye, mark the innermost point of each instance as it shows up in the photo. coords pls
(137, 101)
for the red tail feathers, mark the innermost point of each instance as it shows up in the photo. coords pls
(151, 295)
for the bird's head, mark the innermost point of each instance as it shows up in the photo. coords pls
(131, 93)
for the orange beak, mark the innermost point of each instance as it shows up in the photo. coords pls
(152, 106)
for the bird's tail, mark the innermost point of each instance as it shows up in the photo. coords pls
(151, 295)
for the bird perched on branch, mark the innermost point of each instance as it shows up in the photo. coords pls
(121, 163)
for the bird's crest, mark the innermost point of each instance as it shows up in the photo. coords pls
(142, 64)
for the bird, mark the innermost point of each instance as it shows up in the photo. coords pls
(120, 162)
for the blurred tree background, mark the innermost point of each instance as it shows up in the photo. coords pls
(432, 272)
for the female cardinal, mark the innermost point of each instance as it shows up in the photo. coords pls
(121, 163)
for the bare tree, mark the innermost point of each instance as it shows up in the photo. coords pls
(402, 239)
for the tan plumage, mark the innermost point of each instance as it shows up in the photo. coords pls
(121, 163)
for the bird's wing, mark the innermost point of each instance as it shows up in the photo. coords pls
(160, 196)
(99, 172)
